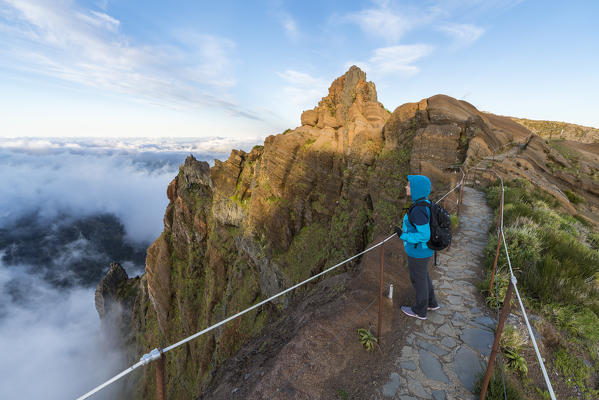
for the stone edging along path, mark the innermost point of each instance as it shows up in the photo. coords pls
(443, 355)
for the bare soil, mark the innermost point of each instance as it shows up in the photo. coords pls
(314, 352)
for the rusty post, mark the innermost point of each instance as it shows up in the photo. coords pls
(381, 294)
(160, 382)
(499, 236)
(460, 196)
(500, 212)
(504, 312)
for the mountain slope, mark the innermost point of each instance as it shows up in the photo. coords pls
(261, 221)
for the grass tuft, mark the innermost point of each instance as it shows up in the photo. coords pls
(573, 197)
(495, 388)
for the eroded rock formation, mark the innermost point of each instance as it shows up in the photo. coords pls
(106, 291)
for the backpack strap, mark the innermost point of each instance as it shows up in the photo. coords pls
(419, 202)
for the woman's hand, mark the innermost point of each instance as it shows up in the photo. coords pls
(398, 231)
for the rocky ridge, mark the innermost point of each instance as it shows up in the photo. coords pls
(262, 220)
(560, 130)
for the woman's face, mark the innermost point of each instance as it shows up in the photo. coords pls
(408, 193)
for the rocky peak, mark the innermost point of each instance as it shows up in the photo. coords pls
(335, 110)
(106, 291)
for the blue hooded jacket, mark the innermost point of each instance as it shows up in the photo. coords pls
(415, 236)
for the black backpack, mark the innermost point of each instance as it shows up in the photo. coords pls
(440, 225)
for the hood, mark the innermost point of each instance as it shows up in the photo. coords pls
(420, 186)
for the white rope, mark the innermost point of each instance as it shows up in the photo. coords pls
(454, 188)
(179, 343)
(110, 381)
(514, 282)
(154, 354)
(534, 342)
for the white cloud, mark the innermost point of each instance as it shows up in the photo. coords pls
(52, 344)
(286, 20)
(101, 20)
(390, 21)
(381, 22)
(300, 78)
(387, 21)
(303, 90)
(290, 26)
(85, 46)
(398, 60)
(463, 34)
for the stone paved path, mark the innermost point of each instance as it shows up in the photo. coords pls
(443, 355)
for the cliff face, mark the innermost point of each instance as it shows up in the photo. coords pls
(261, 221)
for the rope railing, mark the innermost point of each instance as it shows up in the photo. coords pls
(158, 354)
(512, 286)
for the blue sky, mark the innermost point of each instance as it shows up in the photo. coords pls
(248, 69)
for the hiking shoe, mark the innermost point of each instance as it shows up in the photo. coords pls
(433, 308)
(408, 311)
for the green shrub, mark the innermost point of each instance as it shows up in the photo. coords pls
(515, 361)
(556, 262)
(569, 153)
(513, 338)
(545, 247)
(593, 239)
(578, 264)
(573, 368)
(524, 245)
(581, 322)
(573, 197)
(585, 222)
(455, 222)
(500, 285)
(368, 340)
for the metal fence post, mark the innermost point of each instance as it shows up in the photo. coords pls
(460, 195)
(499, 236)
(381, 294)
(504, 312)
(160, 381)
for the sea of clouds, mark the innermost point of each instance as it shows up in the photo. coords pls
(68, 207)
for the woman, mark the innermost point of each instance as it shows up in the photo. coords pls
(415, 233)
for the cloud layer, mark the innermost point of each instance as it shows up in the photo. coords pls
(52, 347)
(58, 206)
(126, 178)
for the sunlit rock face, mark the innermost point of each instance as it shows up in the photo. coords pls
(263, 220)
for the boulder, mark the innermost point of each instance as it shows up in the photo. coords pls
(309, 117)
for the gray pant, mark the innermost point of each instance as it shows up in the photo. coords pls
(423, 286)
